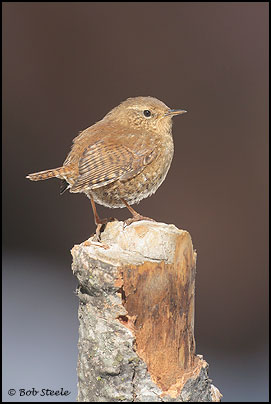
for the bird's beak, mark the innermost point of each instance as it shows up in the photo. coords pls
(173, 112)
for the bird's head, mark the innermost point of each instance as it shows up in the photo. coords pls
(147, 113)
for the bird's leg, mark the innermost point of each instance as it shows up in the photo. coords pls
(136, 216)
(99, 222)
(96, 216)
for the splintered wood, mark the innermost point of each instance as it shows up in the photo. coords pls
(159, 299)
(144, 283)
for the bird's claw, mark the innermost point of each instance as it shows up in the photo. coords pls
(136, 218)
(101, 227)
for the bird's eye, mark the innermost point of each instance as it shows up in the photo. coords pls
(147, 113)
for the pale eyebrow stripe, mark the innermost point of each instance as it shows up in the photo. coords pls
(136, 107)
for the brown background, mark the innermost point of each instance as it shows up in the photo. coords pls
(65, 65)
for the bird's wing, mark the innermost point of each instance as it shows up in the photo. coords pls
(106, 161)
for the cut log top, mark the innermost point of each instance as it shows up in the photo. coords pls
(139, 242)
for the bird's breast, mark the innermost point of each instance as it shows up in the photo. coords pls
(140, 186)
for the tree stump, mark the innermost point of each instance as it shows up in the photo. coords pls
(136, 316)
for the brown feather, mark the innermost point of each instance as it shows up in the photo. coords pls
(59, 172)
(105, 162)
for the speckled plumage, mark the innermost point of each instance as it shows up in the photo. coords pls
(122, 158)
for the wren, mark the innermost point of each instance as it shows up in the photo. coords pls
(122, 158)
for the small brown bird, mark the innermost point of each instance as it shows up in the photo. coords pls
(121, 159)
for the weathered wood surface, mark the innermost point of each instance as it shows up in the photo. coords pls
(136, 317)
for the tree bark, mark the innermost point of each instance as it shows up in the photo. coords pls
(136, 316)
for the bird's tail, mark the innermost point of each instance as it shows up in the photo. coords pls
(59, 172)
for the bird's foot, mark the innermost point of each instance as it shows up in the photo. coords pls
(100, 228)
(136, 218)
